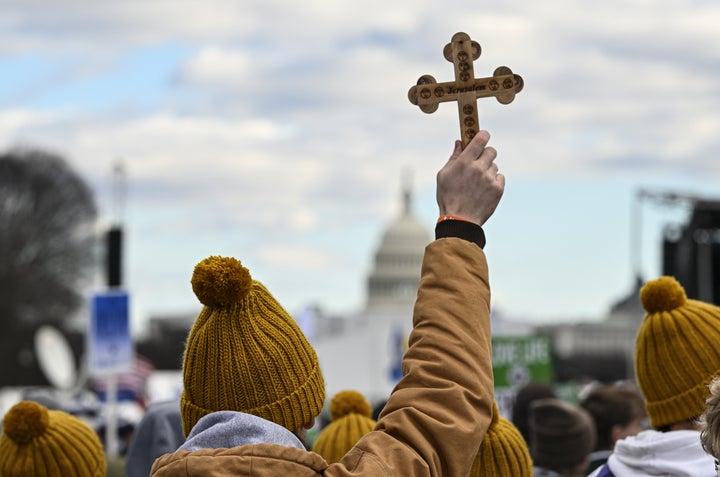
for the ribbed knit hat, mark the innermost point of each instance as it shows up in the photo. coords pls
(503, 451)
(350, 420)
(36, 442)
(562, 434)
(676, 352)
(246, 353)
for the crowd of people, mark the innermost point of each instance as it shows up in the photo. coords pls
(253, 386)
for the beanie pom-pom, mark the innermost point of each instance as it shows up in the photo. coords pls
(662, 294)
(349, 402)
(220, 281)
(25, 421)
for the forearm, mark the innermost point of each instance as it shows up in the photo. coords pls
(442, 406)
(437, 415)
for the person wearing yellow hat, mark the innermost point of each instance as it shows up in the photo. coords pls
(503, 451)
(676, 358)
(350, 420)
(37, 442)
(253, 386)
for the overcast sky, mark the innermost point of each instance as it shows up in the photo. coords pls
(278, 132)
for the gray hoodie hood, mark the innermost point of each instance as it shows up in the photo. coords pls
(227, 429)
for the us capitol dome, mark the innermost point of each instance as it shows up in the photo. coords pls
(394, 279)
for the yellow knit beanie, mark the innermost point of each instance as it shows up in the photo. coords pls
(246, 353)
(350, 420)
(503, 451)
(676, 352)
(36, 442)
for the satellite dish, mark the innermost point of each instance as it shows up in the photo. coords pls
(55, 357)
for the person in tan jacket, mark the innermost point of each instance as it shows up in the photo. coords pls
(252, 382)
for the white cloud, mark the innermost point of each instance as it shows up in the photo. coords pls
(294, 115)
(294, 258)
(219, 66)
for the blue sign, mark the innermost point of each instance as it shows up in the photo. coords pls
(110, 348)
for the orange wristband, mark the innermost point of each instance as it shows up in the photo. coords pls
(453, 217)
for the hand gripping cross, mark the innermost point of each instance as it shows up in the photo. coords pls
(466, 89)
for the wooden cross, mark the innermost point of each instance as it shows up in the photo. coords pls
(466, 89)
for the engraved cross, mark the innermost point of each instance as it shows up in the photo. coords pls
(466, 89)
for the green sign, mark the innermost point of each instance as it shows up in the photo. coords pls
(518, 360)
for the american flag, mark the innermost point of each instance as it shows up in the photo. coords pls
(131, 385)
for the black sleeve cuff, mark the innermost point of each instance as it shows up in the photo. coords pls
(461, 229)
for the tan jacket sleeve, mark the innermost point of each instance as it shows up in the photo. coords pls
(438, 413)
